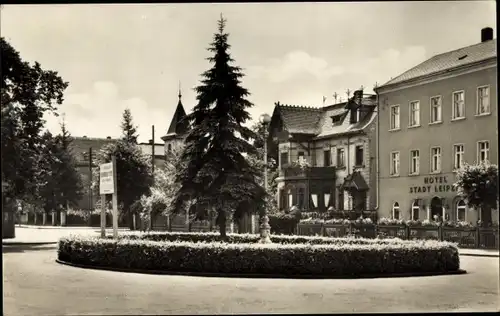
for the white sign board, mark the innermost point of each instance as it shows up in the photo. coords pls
(106, 185)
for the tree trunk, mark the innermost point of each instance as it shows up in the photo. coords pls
(486, 216)
(222, 224)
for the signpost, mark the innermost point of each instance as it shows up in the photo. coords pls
(108, 185)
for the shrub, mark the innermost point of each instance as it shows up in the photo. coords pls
(251, 238)
(283, 223)
(298, 259)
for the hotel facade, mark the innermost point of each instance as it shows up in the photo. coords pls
(432, 119)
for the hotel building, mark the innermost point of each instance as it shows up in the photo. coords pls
(433, 118)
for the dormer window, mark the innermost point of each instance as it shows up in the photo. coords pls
(336, 119)
(354, 114)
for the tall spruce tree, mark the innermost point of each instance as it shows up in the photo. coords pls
(70, 181)
(216, 173)
(128, 129)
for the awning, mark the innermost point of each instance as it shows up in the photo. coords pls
(355, 181)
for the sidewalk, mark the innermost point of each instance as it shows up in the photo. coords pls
(43, 235)
(38, 235)
(479, 252)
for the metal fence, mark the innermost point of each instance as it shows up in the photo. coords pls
(465, 237)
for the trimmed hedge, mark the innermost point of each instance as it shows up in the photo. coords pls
(252, 238)
(340, 259)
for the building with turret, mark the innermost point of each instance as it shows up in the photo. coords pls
(178, 128)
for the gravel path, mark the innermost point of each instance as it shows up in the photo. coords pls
(35, 285)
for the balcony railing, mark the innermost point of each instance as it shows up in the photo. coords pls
(310, 172)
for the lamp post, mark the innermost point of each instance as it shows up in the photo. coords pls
(265, 229)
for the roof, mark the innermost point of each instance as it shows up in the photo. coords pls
(450, 60)
(299, 119)
(317, 122)
(178, 125)
(355, 181)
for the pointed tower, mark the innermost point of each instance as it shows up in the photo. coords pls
(178, 127)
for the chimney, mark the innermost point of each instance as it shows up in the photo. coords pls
(84, 136)
(358, 96)
(108, 137)
(486, 34)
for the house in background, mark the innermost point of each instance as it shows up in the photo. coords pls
(337, 142)
(85, 150)
(159, 158)
(433, 118)
(177, 130)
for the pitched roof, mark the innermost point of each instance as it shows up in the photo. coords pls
(300, 119)
(327, 128)
(446, 61)
(178, 125)
(355, 181)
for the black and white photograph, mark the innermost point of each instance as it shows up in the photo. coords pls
(249, 158)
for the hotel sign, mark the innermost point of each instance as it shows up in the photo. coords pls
(434, 184)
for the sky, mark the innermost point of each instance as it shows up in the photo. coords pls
(136, 55)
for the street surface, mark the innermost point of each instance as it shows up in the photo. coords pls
(34, 284)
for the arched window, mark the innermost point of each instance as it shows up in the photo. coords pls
(290, 199)
(415, 210)
(461, 211)
(395, 210)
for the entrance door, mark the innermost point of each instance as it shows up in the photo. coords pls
(436, 207)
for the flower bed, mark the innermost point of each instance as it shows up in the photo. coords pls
(341, 259)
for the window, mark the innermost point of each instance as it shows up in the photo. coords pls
(290, 199)
(415, 210)
(301, 156)
(483, 100)
(301, 198)
(341, 199)
(395, 210)
(435, 159)
(394, 124)
(483, 151)
(461, 211)
(314, 201)
(282, 200)
(414, 162)
(340, 157)
(458, 110)
(414, 113)
(284, 159)
(327, 157)
(354, 115)
(169, 147)
(395, 163)
(337, 119)
(359, 155)
(458, 156)
(436, 109)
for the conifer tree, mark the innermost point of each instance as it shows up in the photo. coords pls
(70, 181)
(215, 172)
(128, 129)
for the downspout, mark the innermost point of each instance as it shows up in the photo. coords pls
(377, 149)
(348, 167)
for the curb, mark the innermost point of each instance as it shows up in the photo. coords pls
(479, 255)
(258, 276)
(20, 243)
